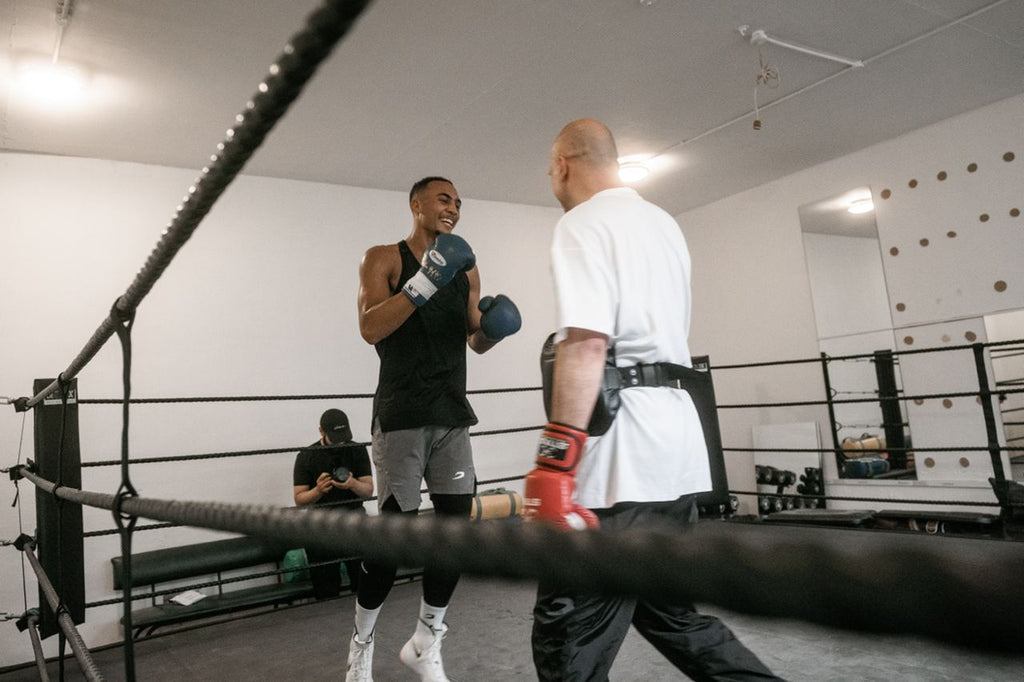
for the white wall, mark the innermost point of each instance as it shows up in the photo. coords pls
(261, 301)
(752, 300)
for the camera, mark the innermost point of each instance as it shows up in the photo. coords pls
(340, 474)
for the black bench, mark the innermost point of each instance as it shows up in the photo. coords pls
(150, 569)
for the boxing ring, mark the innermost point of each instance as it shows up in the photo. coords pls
(816, 574)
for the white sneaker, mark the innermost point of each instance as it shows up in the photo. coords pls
(426, 663)
(360, 661)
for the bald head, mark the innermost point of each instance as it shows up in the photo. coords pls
(584, 161)
(588, 140)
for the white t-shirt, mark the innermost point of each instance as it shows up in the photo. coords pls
(621, 268)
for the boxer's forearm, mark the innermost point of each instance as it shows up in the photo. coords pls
(579, 362)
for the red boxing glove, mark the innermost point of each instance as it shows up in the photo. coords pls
(548, 494)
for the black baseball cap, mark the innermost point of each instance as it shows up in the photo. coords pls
(335, 425)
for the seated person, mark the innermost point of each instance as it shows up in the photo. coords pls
(334, 472)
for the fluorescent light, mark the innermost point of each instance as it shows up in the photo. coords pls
(633, 171)
(54, 85)
(862, 205)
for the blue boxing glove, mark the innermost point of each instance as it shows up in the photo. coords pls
(500, 317)
(446, 257)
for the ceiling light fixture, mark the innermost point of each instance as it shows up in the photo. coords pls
(862, 205)
(52, 83)
(633, 171)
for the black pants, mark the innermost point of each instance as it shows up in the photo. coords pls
(377, 579)
(576, 635)
(326, 579)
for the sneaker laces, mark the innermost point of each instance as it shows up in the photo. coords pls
(428, 661)
(360, 658)
(433, 651)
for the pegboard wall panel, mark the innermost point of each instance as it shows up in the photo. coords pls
(952, 234)
(946, 422)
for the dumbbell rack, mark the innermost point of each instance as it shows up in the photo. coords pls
(779, 500)
(719, 511)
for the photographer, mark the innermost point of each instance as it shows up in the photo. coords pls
(333, 472)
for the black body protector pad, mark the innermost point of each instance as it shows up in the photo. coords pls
(607, 398)
(696, 381)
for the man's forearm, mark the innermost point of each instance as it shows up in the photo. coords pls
(307, 497)
(363, 486)
(479, 342)
(579, 362)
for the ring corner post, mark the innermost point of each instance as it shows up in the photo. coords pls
(707, 408)
(58, 525)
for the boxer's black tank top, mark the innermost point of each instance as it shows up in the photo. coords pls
(422, 379)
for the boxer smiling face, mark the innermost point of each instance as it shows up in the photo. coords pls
(437, 207)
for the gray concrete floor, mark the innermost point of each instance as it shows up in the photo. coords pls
(488, 641)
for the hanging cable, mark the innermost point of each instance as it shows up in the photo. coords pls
(17, 503)
(768, 76)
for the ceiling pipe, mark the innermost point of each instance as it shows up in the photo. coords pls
(760, 37)
(63, 18)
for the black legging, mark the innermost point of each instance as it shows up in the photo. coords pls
(438, 585)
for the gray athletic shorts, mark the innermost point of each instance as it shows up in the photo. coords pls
(439, 455)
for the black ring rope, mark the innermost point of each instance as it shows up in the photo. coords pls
(32, 625)
(328, 505)
(64, 620)
(266, 398)
(515, 429)
(297, 63)
(126, 523)
(115, 531)
(190, 458)
(519, 389)
(847, 401)
(814, 576)
(868, 356)
(960, 448)
(993, 503)
(270, 451)
(226, 399)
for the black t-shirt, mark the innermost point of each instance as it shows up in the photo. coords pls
(422, 378)
(318, 459)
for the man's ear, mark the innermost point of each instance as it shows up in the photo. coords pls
(562, 167)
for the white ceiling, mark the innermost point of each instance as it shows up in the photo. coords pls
(476, 89)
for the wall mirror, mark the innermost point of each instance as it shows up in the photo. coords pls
(852, 315)
(1007, 364)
